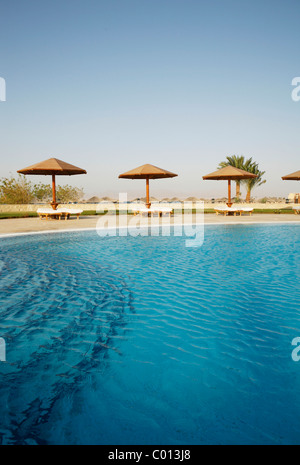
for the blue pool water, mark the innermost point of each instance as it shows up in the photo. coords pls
(141, 340)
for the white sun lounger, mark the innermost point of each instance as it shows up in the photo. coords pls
(247, 210)
(153, 209)
(235, 210)
(296, 209)
(49, 213)
(65, 212)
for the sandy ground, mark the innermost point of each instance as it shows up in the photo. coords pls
(28, 225)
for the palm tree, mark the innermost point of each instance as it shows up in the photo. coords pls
(251, 183)
(246, 165)
(237, 162)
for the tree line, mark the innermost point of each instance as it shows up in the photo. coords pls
(20, 190)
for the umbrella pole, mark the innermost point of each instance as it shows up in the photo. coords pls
(229, 194)
(53, 203)
(148, 204)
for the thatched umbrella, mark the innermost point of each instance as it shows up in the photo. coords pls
(94, 199)
(147, 172)
(292, 177)
(191, 199)
(229, 173)
(53, 167)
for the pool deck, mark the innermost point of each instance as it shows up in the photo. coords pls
(29, 225)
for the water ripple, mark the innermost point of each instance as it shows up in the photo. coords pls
(174, 345)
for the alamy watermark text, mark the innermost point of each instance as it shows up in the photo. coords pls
(2, 350)
(296, 91)
(189, 220)
(2, 90)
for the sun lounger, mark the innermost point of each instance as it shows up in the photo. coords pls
(235, 210)
(49, 213)
(247, 210)
(153, 209)
(226, 210)
(65, 212)
(296, 209)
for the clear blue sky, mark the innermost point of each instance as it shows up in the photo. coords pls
(112, 84)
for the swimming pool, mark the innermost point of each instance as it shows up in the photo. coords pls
(141, 340)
